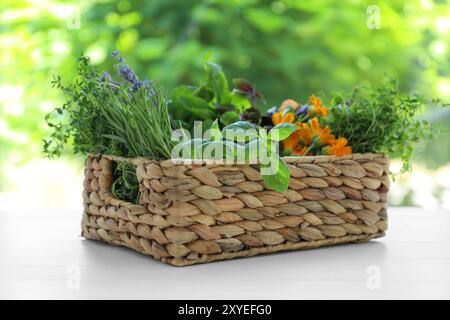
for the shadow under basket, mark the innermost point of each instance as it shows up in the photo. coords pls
(201, 212)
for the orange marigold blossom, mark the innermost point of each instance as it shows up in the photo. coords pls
(291, 142)
(300, 151)
(315, 100)
(320, 111)
(278, 118)
(317, 108)
(289, 103)
(314, 132)
(339, 147)
(289, 118)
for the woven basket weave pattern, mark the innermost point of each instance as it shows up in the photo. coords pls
(193, 213)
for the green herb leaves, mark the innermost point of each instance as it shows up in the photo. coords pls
(187, 105)
(229, 117)
(245, 143)
(140, 122)
(213, 99)
(380, 120)
(282, 131)
(217, 81)
(79, 119)
(241, 131)
(103, 115)
(279, 181)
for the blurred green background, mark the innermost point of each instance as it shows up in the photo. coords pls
(289, 48)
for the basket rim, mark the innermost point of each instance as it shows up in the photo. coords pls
(289, 159)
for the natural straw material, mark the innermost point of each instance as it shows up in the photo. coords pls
(201, 212)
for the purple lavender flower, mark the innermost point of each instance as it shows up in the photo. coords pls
(114, 82)
(148, 83)
(126, 73)
(303, 110)
(105, 76)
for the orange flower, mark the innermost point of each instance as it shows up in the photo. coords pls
(314, 132)
(339, 147)
(317, 108)
(320, 111)
(289, 103)
(300, 151)
(289, 117)
(315, 100)
(278, 118)
(305, 133)
(323, 135)
(291, 142)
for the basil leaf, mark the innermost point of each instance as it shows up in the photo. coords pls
(252, 151)
(262, 133)
(220, 150)
(245, 125)
(189, 108)
(215, 124)
(240, 101)
(217, 81)
(229, 117)
(281, 131)
(205, 93)
(241, 131)
(215, 133)
(278, 173)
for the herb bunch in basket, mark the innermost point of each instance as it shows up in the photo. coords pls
(125, 116)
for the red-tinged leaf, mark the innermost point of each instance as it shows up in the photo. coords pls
(244, 85)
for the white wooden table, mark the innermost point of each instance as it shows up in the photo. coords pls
(42, 256)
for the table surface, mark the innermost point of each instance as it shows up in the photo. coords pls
(42, 256)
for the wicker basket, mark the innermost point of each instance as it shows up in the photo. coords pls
(195, 213)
